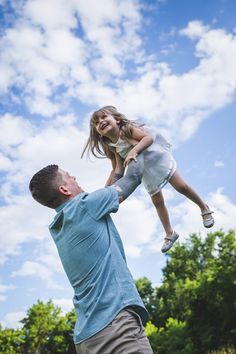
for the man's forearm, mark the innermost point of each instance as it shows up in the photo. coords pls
(127, 184)
(117, 176)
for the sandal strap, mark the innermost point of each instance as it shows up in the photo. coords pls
(208, 212)
(168, 239)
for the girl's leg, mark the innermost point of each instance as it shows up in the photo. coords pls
(162, 212)
(171, 235)
(182, 187)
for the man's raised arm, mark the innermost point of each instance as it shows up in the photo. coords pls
(132, 179)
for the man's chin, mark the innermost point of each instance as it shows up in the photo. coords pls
(80, 190)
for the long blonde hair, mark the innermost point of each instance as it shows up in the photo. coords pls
(99, 145)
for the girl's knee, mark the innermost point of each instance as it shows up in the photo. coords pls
(158, 200)
(182, 188)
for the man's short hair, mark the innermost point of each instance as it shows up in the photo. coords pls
(44, 186)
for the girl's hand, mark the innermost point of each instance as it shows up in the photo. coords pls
(132, 155)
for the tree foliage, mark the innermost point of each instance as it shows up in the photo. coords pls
(11, 341)
(45, 330)
(191, 312)
(195, 305)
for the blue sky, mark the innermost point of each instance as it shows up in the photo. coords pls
(169, 64)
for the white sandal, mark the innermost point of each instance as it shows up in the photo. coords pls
(208, 221)
(169, 241)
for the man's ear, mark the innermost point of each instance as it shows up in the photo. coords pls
(64, 190)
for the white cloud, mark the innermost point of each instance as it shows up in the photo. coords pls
(189, 218)
(186, 218)
(51, 15)
(39, 62)
(42, 53)
(5, 163)
(36, 269)
(66, 143)
(42, 105)
(65, 304)
(111, 26)
(12, 319)
(4, 289)
(168, 193)
(131, 222)
(219, 163)
(11, 129)
(21, 222)
(51, 63)
(48, 256)
(157, 95)
(195, 30)
(225, 210)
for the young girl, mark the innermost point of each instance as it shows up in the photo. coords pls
(112, 135)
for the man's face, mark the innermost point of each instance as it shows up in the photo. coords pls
(68, 185)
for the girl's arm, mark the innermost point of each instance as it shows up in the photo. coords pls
(111, 176)
(117, 169)
(120, 169)
(141, 141)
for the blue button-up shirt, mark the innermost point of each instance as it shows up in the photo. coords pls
(93, 257)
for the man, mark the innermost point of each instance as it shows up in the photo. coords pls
(110, 312)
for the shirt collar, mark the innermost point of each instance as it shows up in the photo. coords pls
(61, 206)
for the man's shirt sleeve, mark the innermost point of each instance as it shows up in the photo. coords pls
(102, 202)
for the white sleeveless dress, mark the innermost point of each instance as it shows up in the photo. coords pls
(159, 164)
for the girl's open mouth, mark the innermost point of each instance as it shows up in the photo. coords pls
(103, 126)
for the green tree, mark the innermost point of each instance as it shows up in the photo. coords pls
(46, 330)
(213, 310)
(11, 341)
(198, 293)
(172, 339)
(148, 294)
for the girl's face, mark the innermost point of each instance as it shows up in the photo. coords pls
(106, 124)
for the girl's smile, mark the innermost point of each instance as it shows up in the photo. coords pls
(107, 126)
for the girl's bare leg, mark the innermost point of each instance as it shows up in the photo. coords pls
(182, 187)
(162, 212)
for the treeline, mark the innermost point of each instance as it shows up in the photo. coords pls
(192, 312)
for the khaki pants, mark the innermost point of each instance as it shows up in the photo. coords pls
(124, 335)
